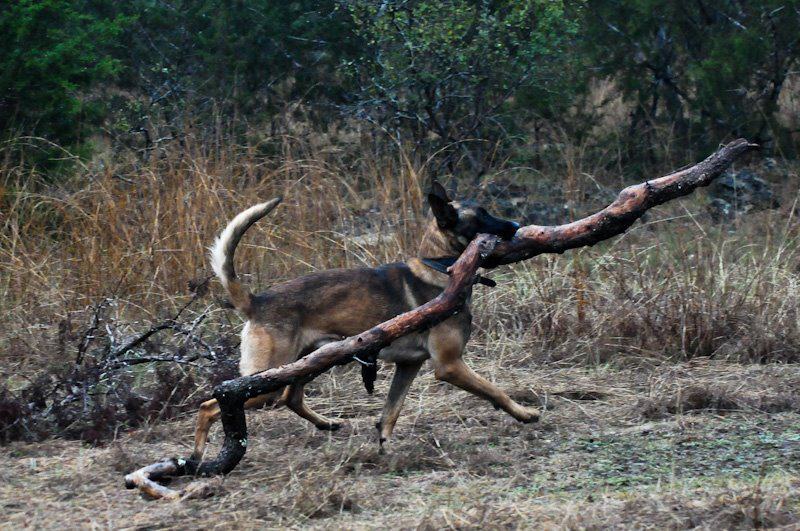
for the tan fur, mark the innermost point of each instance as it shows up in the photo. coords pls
(238, 296)
(294, 318)
(256, 349)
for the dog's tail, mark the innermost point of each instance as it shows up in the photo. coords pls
(224, 247)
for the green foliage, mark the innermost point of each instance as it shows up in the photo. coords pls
(244, 55)
(51, 53)
(709, 68)
(465, 78)
(451, 68)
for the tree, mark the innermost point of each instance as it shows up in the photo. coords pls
(449, 71)
(247, 57)
(709, 68)
(51, 53)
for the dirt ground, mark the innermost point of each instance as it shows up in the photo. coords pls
(701, 444)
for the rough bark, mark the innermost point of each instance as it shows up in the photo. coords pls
(630, 205)
(484, 251)
(145, 479)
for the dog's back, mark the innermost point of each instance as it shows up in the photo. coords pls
(342, 302)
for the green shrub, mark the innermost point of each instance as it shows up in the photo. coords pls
(51, 53)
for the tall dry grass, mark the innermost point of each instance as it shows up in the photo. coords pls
(669, 290)
(136, 230)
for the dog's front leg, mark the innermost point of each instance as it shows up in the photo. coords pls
(296, 402)
(459, 374)
(446, 350)
(404, 374)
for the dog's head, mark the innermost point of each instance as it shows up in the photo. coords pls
(461, 221)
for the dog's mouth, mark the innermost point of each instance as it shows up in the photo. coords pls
(505, 229)
(510, 230)
(489, 224)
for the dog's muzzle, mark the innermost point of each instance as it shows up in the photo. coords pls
(514, 227)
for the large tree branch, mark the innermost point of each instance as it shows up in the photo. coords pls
(484, 251)
(616, 218)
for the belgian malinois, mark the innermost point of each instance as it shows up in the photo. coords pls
(296, 317)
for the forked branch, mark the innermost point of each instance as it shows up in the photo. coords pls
(484, 251)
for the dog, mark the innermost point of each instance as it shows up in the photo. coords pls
(295, 318)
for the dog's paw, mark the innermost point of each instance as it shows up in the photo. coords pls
(529, 415)
(330, 426)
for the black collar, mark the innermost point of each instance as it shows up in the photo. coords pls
(441, 265)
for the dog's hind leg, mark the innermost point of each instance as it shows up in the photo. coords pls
(296, 402)
(404, 374)
(210, 413)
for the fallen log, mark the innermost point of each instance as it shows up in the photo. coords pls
(484, 251)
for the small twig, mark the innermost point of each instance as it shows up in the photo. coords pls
(166, 325)
(138, 340)
(89, 336)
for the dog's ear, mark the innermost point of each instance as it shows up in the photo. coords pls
(446, 216)
(438, 190)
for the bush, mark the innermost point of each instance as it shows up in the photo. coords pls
(450, 69)
(706, 69)
(52, 52)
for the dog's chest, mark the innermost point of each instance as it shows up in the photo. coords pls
(407, 349)
(415, 348)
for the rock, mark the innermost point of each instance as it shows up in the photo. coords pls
(737, 193)
(527, 212)
(523, 203)
(542, 202)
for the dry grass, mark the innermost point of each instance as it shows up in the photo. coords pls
(666, 359)
(137, 232)
(455, 462)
